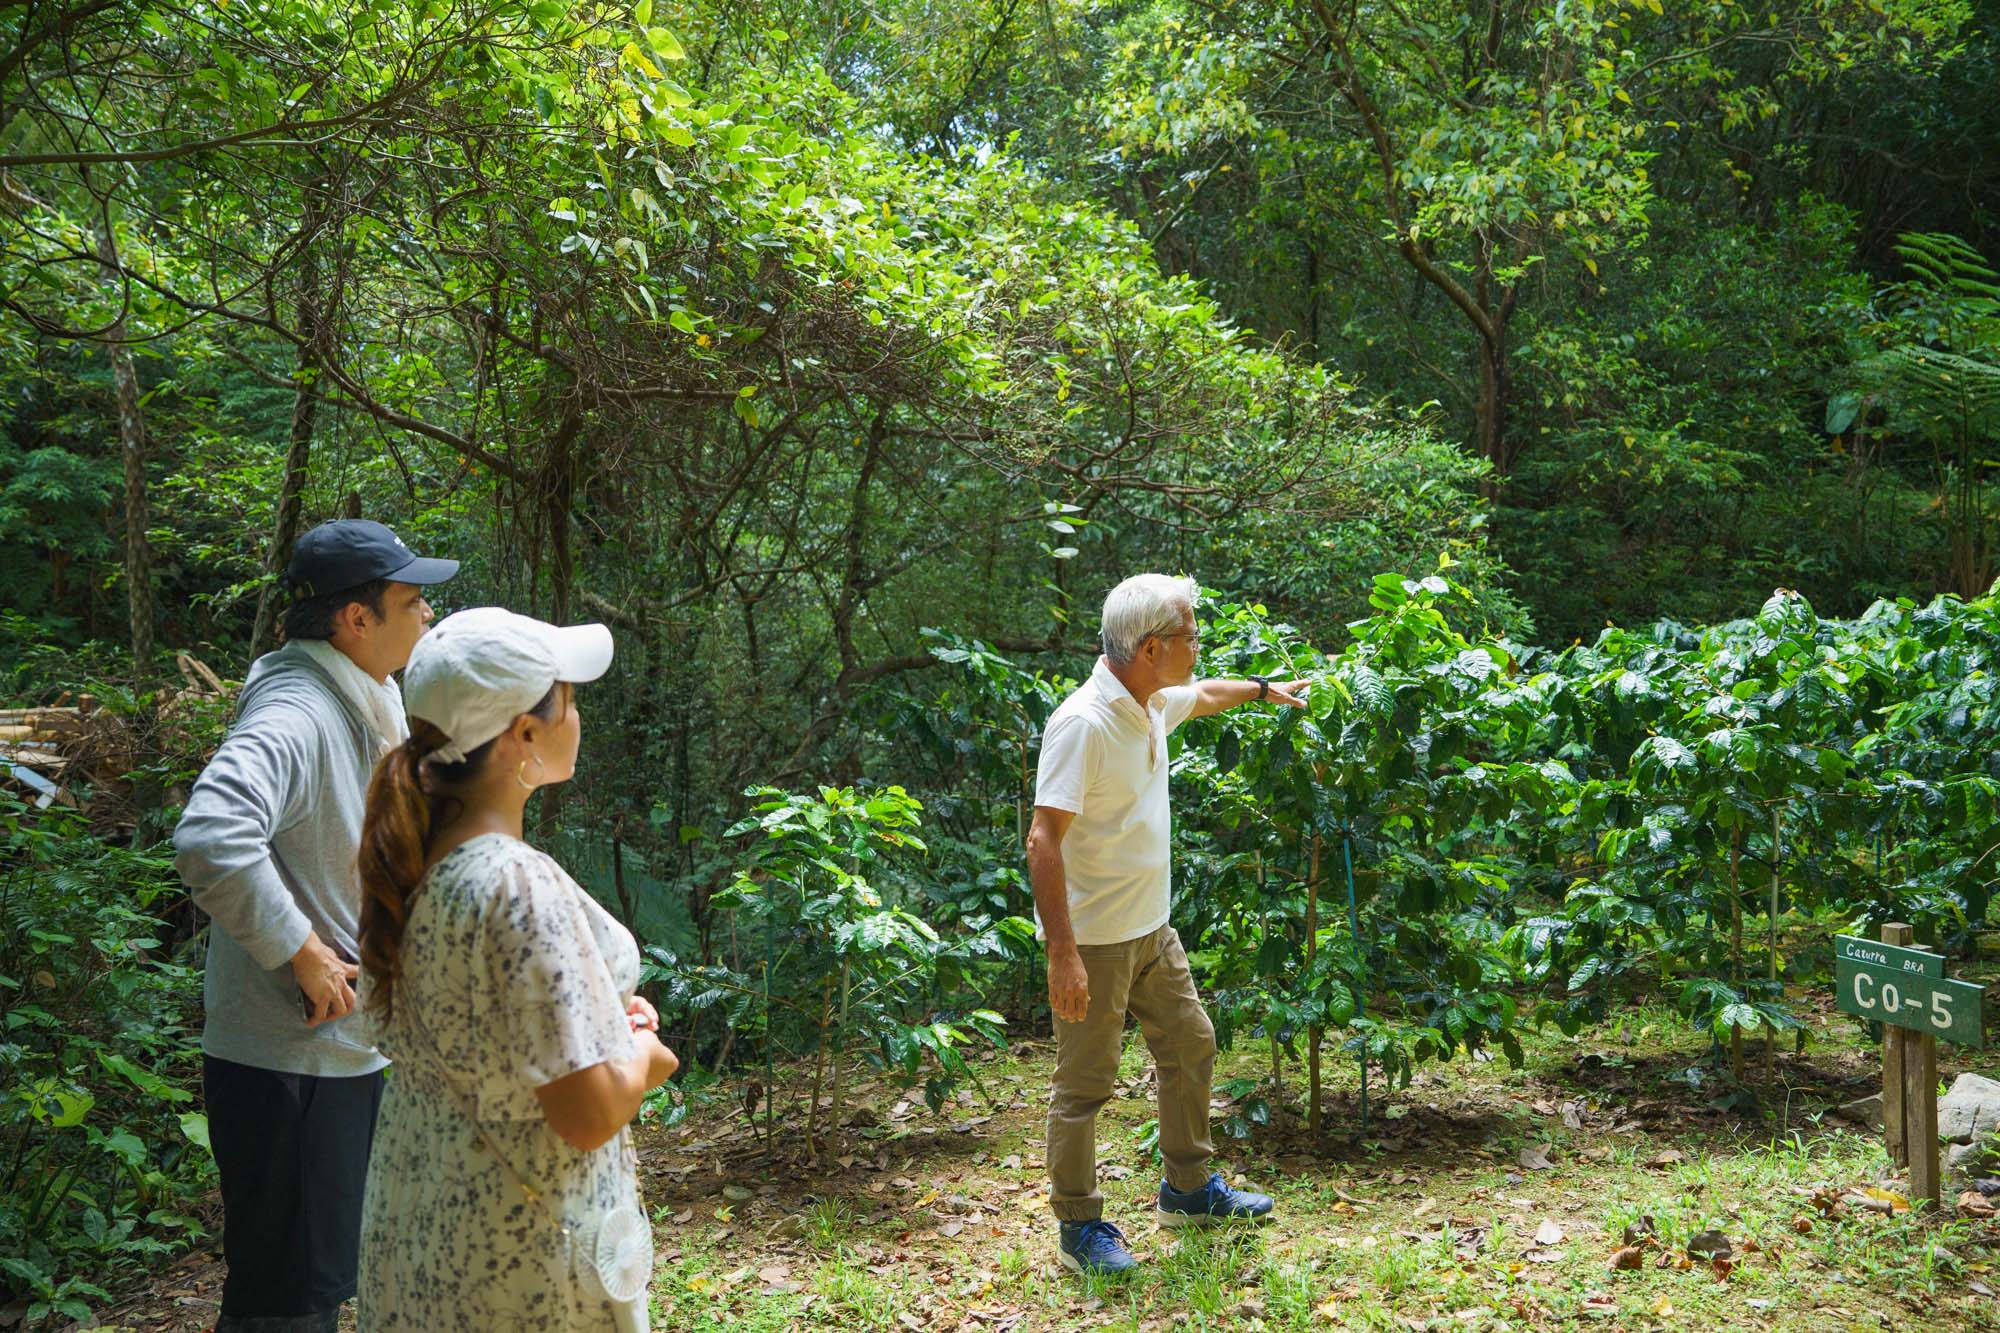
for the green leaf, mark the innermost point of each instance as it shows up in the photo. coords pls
(1228, 750)
(665, 44)
(1671, 754)
(1841, 410)
(1370, 691)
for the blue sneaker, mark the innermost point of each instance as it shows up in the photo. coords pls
(1212, 1203)
(1094, 1246)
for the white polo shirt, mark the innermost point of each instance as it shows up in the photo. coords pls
(1104, 759)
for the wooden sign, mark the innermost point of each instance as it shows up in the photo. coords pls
(1854, 949)
(1906, 990)
(1933, 1005)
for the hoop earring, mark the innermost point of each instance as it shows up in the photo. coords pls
(525, 784)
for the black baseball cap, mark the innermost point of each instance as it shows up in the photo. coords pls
(349, 552)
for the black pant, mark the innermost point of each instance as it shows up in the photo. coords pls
(293, 1153)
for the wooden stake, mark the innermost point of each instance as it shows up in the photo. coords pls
(1771, 937)
(1920, 1117)
(1895, 933)
(1312, 1029)
(1277, 1050)
(1736, 950)
(1892, 1096)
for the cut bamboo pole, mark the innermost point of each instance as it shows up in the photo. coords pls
(1312, 1029)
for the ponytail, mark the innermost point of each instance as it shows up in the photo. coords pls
(395, 843)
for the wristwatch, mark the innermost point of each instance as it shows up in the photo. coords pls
(1263, 686)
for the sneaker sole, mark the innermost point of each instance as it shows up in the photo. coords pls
(1172, 1219)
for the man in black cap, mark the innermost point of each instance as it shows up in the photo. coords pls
(267, 848)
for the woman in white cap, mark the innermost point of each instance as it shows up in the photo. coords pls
(502, 1191)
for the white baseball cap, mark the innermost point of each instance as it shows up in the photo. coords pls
(476, 671)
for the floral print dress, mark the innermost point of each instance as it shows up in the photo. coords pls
(512, 977)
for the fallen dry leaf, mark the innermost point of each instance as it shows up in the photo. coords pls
(1535, 1157)
(1626, 1257)
(1710, 1245)
(1802, 1224)
(1549, 1233)
(1662, 1160)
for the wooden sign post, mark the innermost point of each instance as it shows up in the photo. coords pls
(1906, 990)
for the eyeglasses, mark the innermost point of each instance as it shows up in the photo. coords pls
(1191, 634)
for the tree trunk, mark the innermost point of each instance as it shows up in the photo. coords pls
(558, 481)
(132, 450)
(305, 411)
(626, 908)
(1493, 405)
(1312, 301)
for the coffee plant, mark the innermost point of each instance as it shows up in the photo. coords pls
(1463, 834)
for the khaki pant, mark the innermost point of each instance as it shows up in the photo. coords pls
(1147, 978)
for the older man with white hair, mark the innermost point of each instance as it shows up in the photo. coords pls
(1098, 856)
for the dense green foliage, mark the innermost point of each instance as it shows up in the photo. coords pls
(842, 356)
(1531, 834)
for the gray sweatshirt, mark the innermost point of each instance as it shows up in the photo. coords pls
(267, 848)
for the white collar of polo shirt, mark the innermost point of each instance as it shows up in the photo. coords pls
(1154, 711)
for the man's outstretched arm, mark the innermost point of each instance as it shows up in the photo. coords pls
(1213, 696)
